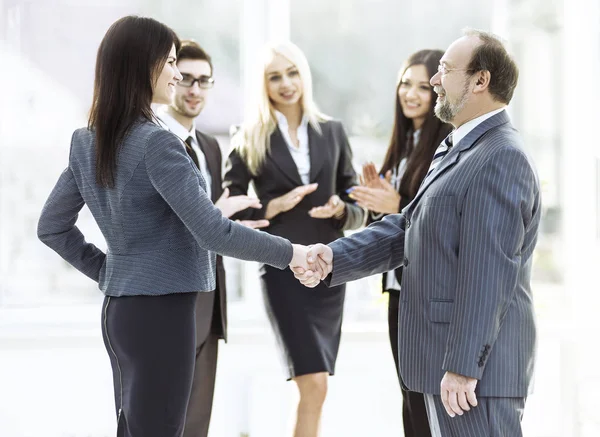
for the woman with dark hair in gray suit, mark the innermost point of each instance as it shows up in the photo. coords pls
(300, 163)
(416, 134)
(161, 228)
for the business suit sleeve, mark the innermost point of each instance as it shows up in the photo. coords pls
(174, 177)
(237, 178)
(376, 249)
(57, 230)
(496, 211)
(346, 178)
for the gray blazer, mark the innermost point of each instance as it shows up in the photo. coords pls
(161, 228)
(466, 243)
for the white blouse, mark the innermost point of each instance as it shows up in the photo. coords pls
(391, 282)
(300, 154)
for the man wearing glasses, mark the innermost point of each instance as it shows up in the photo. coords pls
(191, 92)
(467, 334)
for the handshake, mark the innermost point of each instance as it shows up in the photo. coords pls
(311, 264)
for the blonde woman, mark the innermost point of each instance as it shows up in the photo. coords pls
(300, 163)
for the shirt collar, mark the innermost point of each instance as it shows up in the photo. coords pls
(463, 131)
(282, 120)
(176, 127)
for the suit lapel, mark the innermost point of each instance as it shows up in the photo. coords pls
(283, 158)
(454, 155)
(213, 164)
(317, 145)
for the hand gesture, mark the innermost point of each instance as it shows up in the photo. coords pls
(458, 392)
(231, 205)
(319, 260)
(334, 207)
(370, 178)
(299, 257)
(289, 200)
(384, 199)
(254, 224)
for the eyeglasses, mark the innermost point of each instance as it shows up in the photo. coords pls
(205, 82)
(442, 69)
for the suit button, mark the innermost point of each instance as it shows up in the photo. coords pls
(405, 262)
(407, 223)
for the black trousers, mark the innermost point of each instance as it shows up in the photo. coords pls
(414, 413)
(151, 344)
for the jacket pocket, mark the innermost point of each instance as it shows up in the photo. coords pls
(439, 201)
(440, 310)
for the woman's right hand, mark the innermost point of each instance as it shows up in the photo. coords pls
(370, 178)
(289, 200)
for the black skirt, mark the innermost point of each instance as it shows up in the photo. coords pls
(151, 344)
(307, 321)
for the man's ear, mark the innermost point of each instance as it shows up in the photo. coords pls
(482, 81)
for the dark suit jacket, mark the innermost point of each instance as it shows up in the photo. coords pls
(212, 152)
(330, 166)
(466, 242)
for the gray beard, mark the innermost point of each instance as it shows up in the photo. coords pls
(447, 111)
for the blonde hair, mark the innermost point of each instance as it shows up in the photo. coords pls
(253, 138)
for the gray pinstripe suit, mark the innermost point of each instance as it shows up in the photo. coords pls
(161, 227)
(466, 243)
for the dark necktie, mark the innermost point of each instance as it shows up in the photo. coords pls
(440, 153)
(190, 151)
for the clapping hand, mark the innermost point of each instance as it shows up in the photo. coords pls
(254, 224)
(234, 204)
(318, 264)
(371, 179)
(289, 200)
(376, 193)
(231, 205)
(334, 207)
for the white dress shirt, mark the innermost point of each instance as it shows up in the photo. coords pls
(174, 126)
(300, 154)
(463, 131)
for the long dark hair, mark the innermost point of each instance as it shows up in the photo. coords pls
(433, 132)
(130, 59)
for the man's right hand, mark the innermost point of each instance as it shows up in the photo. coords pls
(289, 200)
(320, 264)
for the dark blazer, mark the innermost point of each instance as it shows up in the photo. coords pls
(330, 166)
(214, 161)
(161, 228)
(466, 242)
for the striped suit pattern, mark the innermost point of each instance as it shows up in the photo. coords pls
(466, 243)
(161, 228)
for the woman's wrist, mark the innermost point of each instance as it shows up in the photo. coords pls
(272, 209)
(341, 213)
(395, 206)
